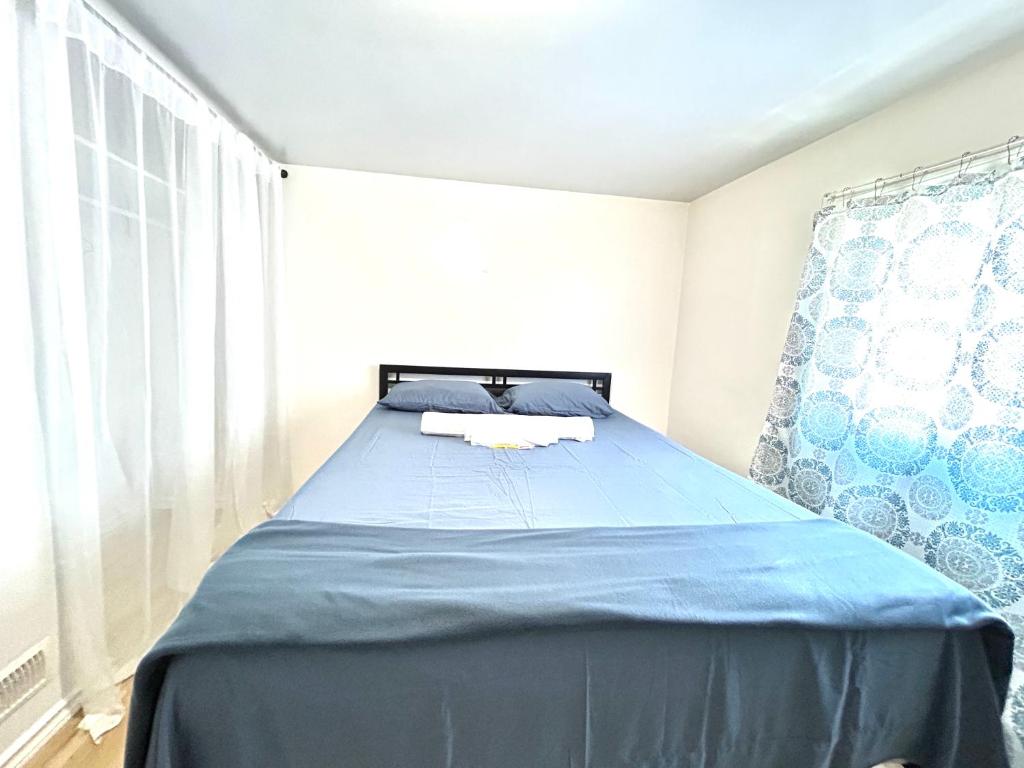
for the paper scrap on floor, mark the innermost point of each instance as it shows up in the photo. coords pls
(507, 430)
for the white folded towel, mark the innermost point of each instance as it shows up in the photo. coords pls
(507, 430)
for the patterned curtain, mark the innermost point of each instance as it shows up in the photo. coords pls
(899, 403)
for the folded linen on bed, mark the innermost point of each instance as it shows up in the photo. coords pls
(507, 430)
(294, 585)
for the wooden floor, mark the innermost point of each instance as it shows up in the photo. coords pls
(72, 748)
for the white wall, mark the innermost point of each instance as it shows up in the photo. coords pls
(747, 242)
(395, 269)
(28, 593)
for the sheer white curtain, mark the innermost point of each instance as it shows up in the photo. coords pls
(152, 247)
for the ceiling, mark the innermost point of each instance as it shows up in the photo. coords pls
(662, 99)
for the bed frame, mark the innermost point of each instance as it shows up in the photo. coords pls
(494, 380)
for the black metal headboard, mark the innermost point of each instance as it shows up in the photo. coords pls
(494, 380)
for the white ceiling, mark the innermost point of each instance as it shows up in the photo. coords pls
(665, 99)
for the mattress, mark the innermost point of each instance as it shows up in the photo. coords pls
(387, 473)
(421, 602)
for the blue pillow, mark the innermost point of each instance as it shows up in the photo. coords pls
(555, 398)
(437, 395)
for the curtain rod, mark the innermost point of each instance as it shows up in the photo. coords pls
(962, 164)
(205, 102)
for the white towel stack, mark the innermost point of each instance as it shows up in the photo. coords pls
(507, 430)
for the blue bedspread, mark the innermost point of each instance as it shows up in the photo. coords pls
(797, 644)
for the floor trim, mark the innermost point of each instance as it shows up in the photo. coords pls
(40, 734)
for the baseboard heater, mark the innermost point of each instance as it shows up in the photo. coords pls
(22, 679)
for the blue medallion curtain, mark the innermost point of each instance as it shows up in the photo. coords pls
(899, 403)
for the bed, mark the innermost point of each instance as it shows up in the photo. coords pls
(621, 602)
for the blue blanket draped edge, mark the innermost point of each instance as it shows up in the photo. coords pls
(297, 584)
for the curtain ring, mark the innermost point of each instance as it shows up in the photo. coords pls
(877, 190)
(1011, 140)
(913, 178)
(845, 200)
(966, 156)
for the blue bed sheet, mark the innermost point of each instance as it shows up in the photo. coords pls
(387, 473)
